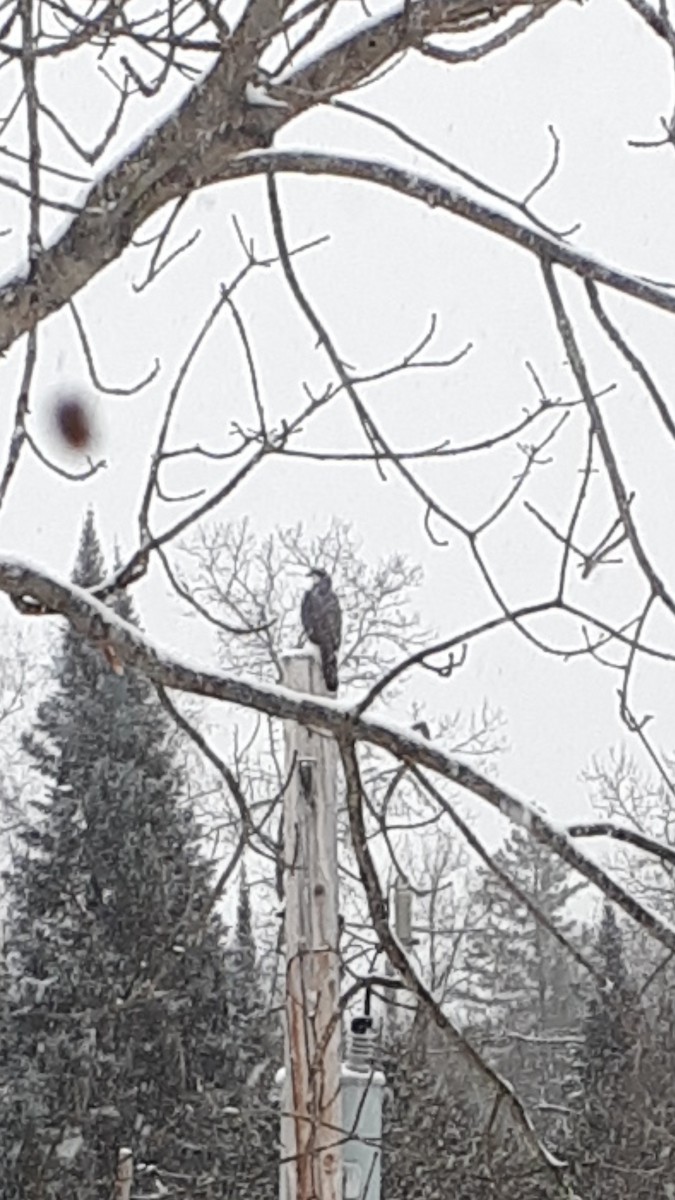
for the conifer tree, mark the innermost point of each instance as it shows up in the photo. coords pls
(438, 1140)
(525, 991)
(244, 957)
(612, 1138)
(117, 1030)
(257, 1035)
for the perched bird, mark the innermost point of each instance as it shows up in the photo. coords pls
(322, 622)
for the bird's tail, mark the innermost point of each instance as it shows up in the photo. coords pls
(329, 668)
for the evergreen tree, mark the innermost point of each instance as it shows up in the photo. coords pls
(614, 1146)
(435, 1131)
(609, 1029)
(247, 998)
(116, 1030)
(257, 1036)
(525, 990)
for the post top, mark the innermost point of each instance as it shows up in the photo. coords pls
(301, 652)
(301, 671)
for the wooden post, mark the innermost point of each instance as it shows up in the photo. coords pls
(311, 1121)
(125, 1174)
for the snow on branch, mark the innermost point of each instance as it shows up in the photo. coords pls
(545, 246)
(121, 642)
(221, 119)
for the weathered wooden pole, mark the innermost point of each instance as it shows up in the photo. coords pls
(124, 1176)
(311, 1123)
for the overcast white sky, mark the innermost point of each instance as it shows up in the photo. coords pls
(593, 72)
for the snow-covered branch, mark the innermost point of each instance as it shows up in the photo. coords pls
(197, 145)
(95, 622)
(436, 195)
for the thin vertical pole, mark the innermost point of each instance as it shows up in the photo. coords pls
(125, 1174)
(311, 1122)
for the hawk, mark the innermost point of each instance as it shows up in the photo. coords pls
(322, 622)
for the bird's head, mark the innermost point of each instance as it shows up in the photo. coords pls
(318, 573)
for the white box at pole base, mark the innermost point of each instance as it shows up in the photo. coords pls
(362, 1093)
